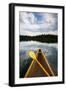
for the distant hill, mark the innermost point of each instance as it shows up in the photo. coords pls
(40, 38)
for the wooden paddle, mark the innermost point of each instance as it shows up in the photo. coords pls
(33, 56)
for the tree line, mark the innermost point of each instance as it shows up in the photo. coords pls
(40, 38)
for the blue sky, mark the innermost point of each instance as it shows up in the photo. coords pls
(36, 23)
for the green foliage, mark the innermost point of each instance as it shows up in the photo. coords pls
(40, 38)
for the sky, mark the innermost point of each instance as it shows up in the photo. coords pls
(37, 23)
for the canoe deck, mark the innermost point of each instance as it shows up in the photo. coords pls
(35, 70)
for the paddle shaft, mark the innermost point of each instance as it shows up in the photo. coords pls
(42, 67)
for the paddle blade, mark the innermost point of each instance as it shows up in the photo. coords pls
(32, 55)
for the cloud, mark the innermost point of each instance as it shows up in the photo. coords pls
(32, 23)
(24, 32)
(27, 18)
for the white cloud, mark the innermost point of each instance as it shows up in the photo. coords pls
(27, 17)
(29, 24)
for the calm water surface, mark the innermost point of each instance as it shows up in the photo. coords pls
(50, 50)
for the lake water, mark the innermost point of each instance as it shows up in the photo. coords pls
(50, 50)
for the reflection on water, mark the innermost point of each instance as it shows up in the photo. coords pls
(50, 50)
